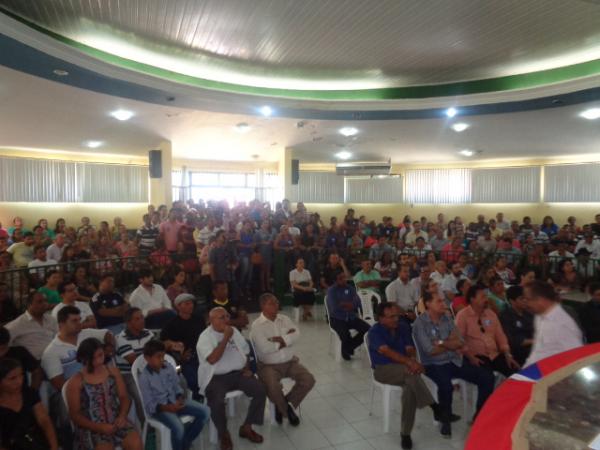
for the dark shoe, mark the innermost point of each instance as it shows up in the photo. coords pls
(446, 430)
(454, 418)
(292, 417)
(278, 416)
(226, 443)
(346, 356)
(405, 441)
(251, 435)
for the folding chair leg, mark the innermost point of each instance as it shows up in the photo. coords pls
(387, 399)
(213, 438)
(231, 407)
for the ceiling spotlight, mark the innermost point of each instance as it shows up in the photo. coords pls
(460, 127)
(60, 72)
(467, 152)
(451, 112)
(242, 127)
(94, 144)
(348, 131)
(266, 111)
(343, 155)
(122, 114)
(591, 114)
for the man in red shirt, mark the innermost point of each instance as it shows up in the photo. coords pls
(169, 231)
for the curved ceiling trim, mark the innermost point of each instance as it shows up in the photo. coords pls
(500, 84)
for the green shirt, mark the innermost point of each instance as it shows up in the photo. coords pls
(362, 276)
(52, 295)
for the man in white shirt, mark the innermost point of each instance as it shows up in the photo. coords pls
(209, 231)
(501, 223)
(590, 244)
(40, 260)
(222, 353)
(404, 293)
(35, 328)
(273, 336)
(449, 283)
(440, 275)
(68, 294)
(411, 237)
(55, 251)
(555, 330)
(152, 300)
(59, 360)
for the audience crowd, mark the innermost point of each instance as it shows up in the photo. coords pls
(96, 317)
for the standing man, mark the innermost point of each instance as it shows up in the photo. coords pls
(223, 355)
(273, 336)
(169, 231)
(392, 355)
(343, 305)
(555, 329)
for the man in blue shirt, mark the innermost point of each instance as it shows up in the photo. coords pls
(392, 354)
(439, 342)
(343, 305)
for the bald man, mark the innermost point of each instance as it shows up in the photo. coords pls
(223, 355)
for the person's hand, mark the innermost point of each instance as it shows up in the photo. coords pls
(246, 372)
(410, 315)
(512, 363)
(121, 421)
(475, 361)
(107, 428)
(228, 332)
(527, 342)
(279, 340)
(414, 367)
(177, 347)
(291, 330)
(180, 402)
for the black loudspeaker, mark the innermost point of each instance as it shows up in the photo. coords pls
(295, 171)
(155, 159)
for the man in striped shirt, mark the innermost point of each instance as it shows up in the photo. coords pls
(146, 236)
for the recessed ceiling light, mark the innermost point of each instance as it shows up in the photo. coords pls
(122, 114)
(451, 112)
(93, 144)
(591, 114)
(348, 131)
(343, 155)
(467, 152)
(266, 111)
(460, 127)
(60, 72)
(242, 127)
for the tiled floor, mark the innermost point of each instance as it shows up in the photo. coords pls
(335, 415)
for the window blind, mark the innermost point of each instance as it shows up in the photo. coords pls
(438, 186)
(506, 185)
(374, 190)
(319, 187)
(572, 183)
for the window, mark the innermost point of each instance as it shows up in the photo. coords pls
(435, 186)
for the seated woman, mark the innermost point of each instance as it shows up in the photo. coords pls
(98, 403)
(566, 278)
(24, 422)
(177, 284)
(460, 300)
(303, 289)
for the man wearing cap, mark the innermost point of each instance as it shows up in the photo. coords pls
(186, 329)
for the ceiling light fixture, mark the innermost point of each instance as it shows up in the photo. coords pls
(348, 131)
(343, 155)
(266, 111)
(122, 114)
(460, 127)
(93, 144)
(467, 152)
(451, 112)
(242, 127)
(591, 114)
(60, 72)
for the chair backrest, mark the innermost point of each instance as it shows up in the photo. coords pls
(365, 296)
(327, 314)
(136, 368)
(63, 392)
(416, 347)
(253, 348)
(366, 344)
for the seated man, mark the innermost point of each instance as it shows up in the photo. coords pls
(403, 293)
(392, 354)
(222, 352)
(590, 314)
(343, 305)
(367, 278)
(35, 328)
(237, 316)
(152, 300)
(273, 336)
(439, 342)
(28, 362)
(164, 398)
(59, 360)
(517, 323)
(68, 295)
(486, 344)
(186, 329)
(109, 306)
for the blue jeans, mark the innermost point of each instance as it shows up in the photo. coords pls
(182, 435)
(189, 370)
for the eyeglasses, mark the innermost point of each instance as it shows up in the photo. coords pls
(480, 326)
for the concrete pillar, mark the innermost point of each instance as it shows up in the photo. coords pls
(161, 192)
(285, 173)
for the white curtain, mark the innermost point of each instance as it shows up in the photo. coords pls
(572, 183)
(319, 187)
(438, 186)
(506, 185)
(374, 190)
(48, 180)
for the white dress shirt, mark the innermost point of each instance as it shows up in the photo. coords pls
(405, 296)
(27, 332)
(555, 332)
(269, 352)
(141, 298)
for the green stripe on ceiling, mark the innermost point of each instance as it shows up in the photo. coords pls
(499, 84)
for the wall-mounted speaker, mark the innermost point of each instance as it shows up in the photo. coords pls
(155, 160)
(295, 171)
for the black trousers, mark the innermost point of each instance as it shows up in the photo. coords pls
(498, 364)
(343, 327)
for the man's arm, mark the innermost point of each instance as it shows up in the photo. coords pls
(412, 365)
(217, 353)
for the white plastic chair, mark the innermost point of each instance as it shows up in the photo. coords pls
(386, 392)
(335, 343)
(366, 296)
(296, 312)
(163, 433)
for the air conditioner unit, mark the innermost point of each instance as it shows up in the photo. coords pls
(363, 168)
